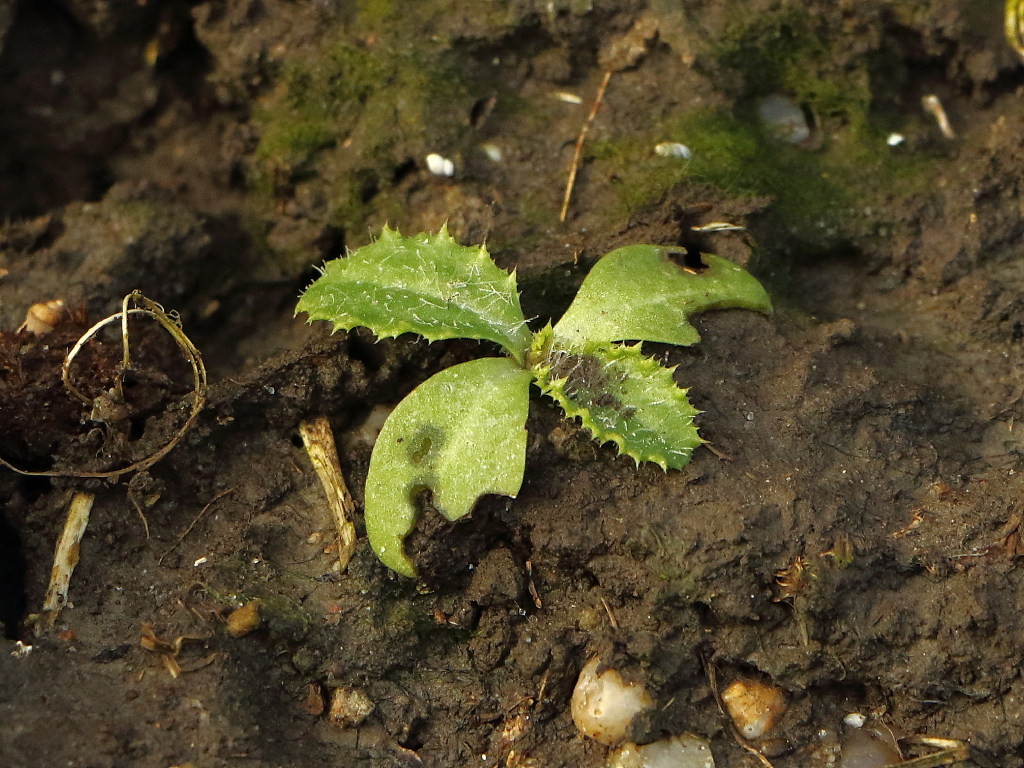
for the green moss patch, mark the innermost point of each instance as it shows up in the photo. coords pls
(811, 190)
(789, 51)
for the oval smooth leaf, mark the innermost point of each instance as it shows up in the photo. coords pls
(460, 434)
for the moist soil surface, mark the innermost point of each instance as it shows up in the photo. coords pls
(851, 534)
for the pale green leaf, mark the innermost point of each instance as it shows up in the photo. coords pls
(460, 434)
(619, 396)
(638, 293)
(425, 284)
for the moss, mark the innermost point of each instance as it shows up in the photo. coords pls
(732, 155)
(284, 617)
(373, 12)
(351, 114)
(378, 94)
(787, 50)
(316, 103)
(811, 192)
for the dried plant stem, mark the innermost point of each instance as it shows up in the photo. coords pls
(319, 442)
(138, 508)
(169, 323)
(66, 556)
(951, 752)
(579, 144)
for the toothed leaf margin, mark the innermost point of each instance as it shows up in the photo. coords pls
(620, 396)
(425, 284)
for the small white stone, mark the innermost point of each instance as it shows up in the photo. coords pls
(895, 139)
(199, 562)
(568, 98)
(493, 152)
(686, 751)
(855, 719)
(673, 149)
(21, 650)
(784, 119)
(440, 166)
(603, 706)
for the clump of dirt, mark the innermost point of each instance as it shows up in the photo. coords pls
(853, 536)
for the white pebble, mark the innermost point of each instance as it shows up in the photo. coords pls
(568, 98)
(785, 120)
(21, 650)
(440, 166)
(493, 152)
(895, 139)
(855, 719)
(672, 149)
(686, 751)
(603, 706)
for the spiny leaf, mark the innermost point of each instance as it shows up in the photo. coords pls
(638, 293)
(619, 396)
(426, 284)
(460, 434)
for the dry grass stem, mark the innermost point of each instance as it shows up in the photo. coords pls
(579, 144)
(66, 556)
(319, 442)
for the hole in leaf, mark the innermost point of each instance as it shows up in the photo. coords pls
(689, 259)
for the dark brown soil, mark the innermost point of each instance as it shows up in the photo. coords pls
(854, 536)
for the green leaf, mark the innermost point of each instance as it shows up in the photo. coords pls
(460, 434)
(638, 293)
(620, 396)
(426, 284)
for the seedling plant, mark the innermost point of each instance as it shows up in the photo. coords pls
(461, 434)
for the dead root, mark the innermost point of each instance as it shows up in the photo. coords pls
(951, 752)
(170, 323)
(169, 651)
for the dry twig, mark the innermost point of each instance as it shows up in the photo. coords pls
(66, 557)
(579, 144)
(319, 442)
(623, 52)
